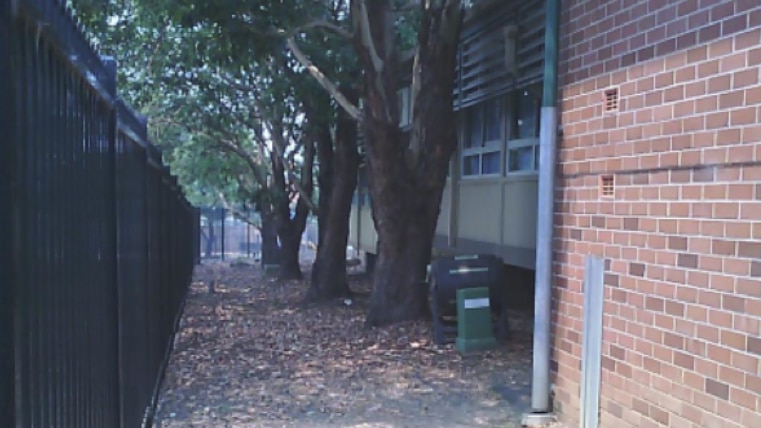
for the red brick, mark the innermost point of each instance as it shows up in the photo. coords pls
(723, 247)
(743, 116)
(717, 389)
(718, 84)
(753, 383)
(733, 340)
(731, 99)
(745, 363)
(749, 249)
(754, 345)
(755, 269)
(733, 303)
(742, 397)
(749, 287)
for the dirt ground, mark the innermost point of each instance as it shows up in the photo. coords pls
(253, 355)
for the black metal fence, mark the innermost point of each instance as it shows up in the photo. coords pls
(224, 234)
(97, 243)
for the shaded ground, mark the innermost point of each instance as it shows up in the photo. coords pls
(251, 355)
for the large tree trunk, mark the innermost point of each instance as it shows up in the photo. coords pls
(270, 248)
(329, 270)
(290, 229)
(290, 241)
(406, 207)
(406, 173)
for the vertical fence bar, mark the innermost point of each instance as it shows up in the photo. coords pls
(222, 215)
(7, 236)
(111, 294)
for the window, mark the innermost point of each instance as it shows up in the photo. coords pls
(523, 145)
(482, 139)
(508, 124)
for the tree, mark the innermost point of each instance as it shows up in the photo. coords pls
(184, 79)
(255, 117)
(406, 172)
(246, 44)
(337, 177)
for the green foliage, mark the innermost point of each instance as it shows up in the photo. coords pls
(209, 78)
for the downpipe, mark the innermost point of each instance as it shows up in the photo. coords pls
(548, 145)
(540, 383)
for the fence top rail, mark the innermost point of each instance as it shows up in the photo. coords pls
(64, 32)
(132, 124)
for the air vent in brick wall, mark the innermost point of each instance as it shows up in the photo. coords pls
(611, 100)
(607, 186)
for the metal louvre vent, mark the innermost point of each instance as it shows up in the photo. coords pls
(484, 69)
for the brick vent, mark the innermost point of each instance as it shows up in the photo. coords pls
(611, 100)
(607, 186)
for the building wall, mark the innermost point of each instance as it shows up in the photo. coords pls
(682, 234)
(494, 215)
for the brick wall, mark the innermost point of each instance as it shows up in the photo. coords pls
(682, 234)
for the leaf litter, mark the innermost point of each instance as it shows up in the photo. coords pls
(251, 354)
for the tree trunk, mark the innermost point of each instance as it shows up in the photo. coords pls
(406, 208)
(407, 173)
(290, 229)
(290, 241)
(326, 156)
(329, 270)
(399, 289)
(270, 249)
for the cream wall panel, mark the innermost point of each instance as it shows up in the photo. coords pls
(368, 235)
(353, 227)
(480, 210)
(519, 229)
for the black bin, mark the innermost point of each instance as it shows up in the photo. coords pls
(449, 274)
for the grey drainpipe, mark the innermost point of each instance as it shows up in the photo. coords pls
(548, 138)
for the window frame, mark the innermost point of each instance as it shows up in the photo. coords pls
(514, 141)
(485, 147)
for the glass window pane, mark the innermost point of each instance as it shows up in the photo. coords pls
(490, 163)
(536, 157)
(493, 113)
(521, 159)
(527, 117)
(470, 165)
(475, 132)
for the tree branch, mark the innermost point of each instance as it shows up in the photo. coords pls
(324, 81)
(366, 37)
(335, 29)
(279, 147)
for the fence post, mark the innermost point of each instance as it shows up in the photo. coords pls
(222, 215)
(111, 68)
(7, 262)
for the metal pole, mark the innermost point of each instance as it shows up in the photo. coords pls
(540, 393)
